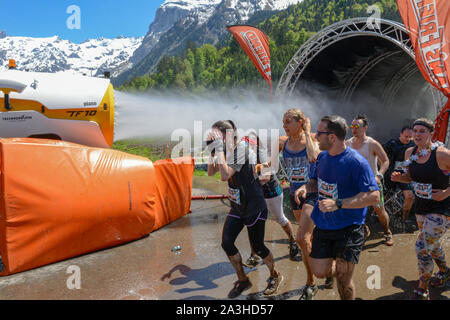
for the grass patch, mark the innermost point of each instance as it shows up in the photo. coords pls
(153, 149)
(143, 148)
(203, 173)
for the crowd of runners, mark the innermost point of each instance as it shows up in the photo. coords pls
(332, 182)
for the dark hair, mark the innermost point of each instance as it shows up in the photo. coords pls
(258, 143)
(336, 125)
(424, 122)
(224, 125)
(364, 119)
(407, 127)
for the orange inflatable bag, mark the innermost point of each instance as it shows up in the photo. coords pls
(60, 200)
(173, 189)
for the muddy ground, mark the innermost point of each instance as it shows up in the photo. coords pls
(149, 269)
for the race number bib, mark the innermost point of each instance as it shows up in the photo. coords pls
(398, 165)
(234, 195)
(327, 190)
(423, 190)
(299, 175)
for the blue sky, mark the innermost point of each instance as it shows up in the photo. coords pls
(98, 18)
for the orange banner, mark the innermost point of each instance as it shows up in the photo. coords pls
(429, 30)
(256, 45)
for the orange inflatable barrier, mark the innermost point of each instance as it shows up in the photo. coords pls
(60, 200)
(173, 189)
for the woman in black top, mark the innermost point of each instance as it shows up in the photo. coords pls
(273, 193)
(248, 207)
(428, 169)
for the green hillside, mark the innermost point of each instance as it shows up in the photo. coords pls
(199, 69)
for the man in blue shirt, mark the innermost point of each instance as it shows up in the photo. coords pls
(346, 186)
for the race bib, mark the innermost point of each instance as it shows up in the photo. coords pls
(398, 165)
(299, 175)
(423, 190)
(327, 190)
(234, 195)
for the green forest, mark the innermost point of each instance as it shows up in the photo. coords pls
(225, 66)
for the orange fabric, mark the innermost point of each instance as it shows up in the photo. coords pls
(173, 189)
(429, 29)
(60, 200)
(442, 124)
(256, 45)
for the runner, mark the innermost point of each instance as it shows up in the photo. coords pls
(346, 186)
(428, 167)
(395, 149)
(272, 192)
(248, 207)
(300, 151)
(374, 153)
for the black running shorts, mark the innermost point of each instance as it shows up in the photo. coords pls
(345, 243)
(311, 199)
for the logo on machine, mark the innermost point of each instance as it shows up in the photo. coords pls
(90, 104)
(34, 84)
(17, 118)
(82, 113)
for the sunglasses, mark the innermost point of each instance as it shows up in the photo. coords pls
(355, 126)
(318, 133)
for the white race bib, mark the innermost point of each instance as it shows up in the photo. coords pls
(398, 165)
(299, 175)
(327, 190)
(423, 190)
(234, 195)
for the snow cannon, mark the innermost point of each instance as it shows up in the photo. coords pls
(59, 106)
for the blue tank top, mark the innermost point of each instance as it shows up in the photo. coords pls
(297, 167)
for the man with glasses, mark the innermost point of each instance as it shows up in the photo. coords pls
(374, 153)
(346, 186)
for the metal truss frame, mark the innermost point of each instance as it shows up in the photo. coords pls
(386, 29)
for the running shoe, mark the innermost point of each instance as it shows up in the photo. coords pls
(329, 283)
(293, 250)
(308, 292)
(252, 261)
(239, 287)
(440, 279)
(272, 284)
(421, 294)
(388, 239)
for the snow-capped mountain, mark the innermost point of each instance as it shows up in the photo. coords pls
(170, 12)
(176, 22)
(203, 21)
(53, 54)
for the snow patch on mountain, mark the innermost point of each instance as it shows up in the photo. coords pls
(53, 54)
(195, 13)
